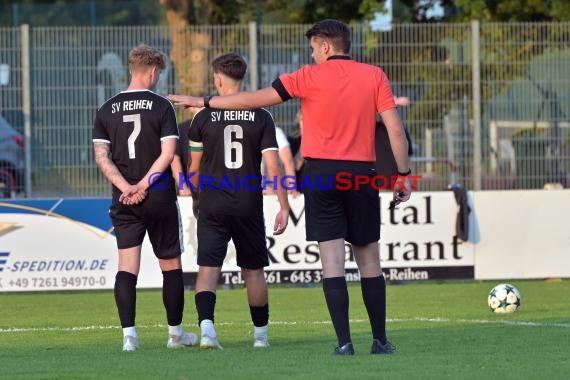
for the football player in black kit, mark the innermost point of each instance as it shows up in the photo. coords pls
(134, 137)
(226, 149)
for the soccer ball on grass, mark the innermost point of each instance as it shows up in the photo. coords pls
(504, 298)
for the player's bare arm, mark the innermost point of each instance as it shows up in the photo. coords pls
(194, 167)
(274, 170)
(176, 167)
(246, 100)
(164, 160)
(111, 172)
(399, 144)
(402, 101)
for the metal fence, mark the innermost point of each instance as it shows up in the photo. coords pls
(489, 102)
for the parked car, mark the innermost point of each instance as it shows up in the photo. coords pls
(11, 160)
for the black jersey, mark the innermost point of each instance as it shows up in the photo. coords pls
(182, 148)
(385, 161)
(230, 171)
(135, 123)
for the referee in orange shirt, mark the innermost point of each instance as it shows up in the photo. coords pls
(339, 102)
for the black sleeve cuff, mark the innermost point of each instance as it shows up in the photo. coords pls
(278, 86)
(405, 174)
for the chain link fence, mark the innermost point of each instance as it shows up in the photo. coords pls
(489, 102)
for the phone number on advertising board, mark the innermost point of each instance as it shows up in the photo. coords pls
(56, 282)
(277, 277)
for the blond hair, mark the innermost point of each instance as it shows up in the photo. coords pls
(144, 56)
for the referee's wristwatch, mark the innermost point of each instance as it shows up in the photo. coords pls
(207, 100)
(405, 174)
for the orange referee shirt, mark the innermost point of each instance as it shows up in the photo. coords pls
(339, 102)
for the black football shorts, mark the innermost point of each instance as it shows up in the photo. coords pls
(247, 232)
(337, 209)
(158, 215)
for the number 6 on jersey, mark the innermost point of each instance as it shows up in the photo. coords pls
(233, 150)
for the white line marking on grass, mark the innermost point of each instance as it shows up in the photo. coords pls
(41, 329)
(483, 321)
(290, 323)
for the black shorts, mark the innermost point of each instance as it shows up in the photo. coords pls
(341, 213)
(247, 233)
(156, 215)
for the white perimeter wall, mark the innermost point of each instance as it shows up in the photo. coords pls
(521, 234)
(513, 235)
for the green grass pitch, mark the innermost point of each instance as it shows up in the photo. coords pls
(441, 330)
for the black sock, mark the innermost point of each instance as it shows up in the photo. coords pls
(173, 296)
(374, 296)
(336, 296)
(259, 315)
(205, 304)
(126, 297)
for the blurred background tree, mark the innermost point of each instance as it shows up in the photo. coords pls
(486, 10)
(190, 46)
(80, 12)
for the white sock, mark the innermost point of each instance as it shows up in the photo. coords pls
(175, 330)
(260, 331)
(130, 331)
(207, 328)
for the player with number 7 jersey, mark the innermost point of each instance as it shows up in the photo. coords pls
(134, 123)
(134, 138)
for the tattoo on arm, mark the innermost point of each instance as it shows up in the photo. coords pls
(104, 162)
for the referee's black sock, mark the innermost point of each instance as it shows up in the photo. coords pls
(173, 296)
(336, 296)
(126, 297)
(205, 304)
(259, 315)
(374, 297)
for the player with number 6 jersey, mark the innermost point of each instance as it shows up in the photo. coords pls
(227, 147)
(231, 180)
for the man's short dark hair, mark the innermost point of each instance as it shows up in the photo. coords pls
(231, 64)
(335, 31)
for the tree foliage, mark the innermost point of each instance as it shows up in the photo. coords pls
(78, 13)
(512, 10)
(201, 12)
(489, 10)
(344, 10)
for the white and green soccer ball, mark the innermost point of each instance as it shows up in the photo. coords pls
(504, 298)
